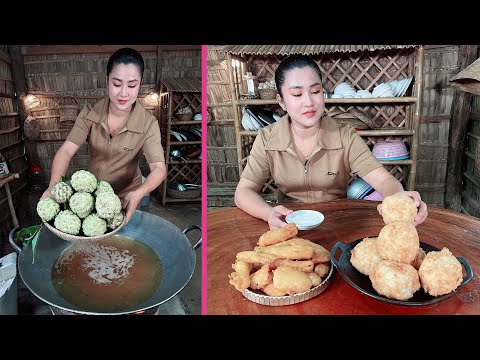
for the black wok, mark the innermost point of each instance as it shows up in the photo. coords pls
(171, 245)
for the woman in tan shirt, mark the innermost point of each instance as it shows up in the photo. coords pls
(118, 130)
(308, 154)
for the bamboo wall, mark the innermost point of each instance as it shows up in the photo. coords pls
(440, 65)
(471, 192)
(68, 72)
(222, 164)
(12, 147)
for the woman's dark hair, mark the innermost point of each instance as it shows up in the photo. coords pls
(126, 56)
(291, 62)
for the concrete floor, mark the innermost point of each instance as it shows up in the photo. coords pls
(187, 302)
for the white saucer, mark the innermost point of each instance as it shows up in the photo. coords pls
(305, 219)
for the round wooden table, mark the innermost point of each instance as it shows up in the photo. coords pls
(232, 230)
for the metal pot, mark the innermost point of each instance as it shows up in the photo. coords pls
(171, 245)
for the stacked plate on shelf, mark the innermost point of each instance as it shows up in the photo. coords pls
(400, 87)
(255, 119)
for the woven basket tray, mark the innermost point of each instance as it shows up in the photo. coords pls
(74, 238)
(268, 94)
(184, 117)
(186, 194)
(68, 112)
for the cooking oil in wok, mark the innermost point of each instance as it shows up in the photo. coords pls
(109, 275)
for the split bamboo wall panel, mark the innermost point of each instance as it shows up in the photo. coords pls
(441, 63)
(12, 146)
(471, 192)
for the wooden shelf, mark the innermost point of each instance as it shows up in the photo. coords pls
(405, 109)
(176, 95)
(169, 199)
(378, 132)
(397, 162)
(185, 143)
(190, 122)
(389, 100)
(185, 162)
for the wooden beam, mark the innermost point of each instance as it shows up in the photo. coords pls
(28, 50)
(431, 119)
(459, 117)
(18, 70)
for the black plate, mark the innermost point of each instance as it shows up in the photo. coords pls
(363, 284)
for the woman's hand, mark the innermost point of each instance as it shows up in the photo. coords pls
(422, 207)
(274, 218)
(47, 193)
(130, 203)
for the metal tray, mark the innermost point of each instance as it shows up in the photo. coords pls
(363, 284)
(263, 299)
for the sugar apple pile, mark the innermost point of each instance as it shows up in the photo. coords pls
(82, 206)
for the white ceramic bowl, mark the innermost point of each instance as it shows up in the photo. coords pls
(305, 219)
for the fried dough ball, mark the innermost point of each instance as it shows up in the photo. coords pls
(365, 255)
(395, 280)
(440, 272)
(398, 207)
(398, 241)
(419, 258)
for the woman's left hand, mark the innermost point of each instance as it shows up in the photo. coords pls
(130, 203)
(422, 207)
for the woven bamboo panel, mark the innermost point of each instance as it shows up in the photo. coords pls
(186, 173)
(218, 90)
(222, 164)
(440, 64)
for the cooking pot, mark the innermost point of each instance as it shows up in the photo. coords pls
(170, 244)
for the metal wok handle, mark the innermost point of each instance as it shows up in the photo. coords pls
(468, 270)
(193, 227)
(12, 242)
(338, 245)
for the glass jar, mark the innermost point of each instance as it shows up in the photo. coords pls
(4, 172)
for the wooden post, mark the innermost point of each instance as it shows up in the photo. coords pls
(20, 84)
(456, 140)
(236, 116)
(414, 125)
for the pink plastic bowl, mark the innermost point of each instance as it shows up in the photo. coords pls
(389, 149)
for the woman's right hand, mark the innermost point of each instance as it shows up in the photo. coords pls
(274, 218)
(47, 193)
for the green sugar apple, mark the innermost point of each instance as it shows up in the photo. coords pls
(47, 209)
(82, 203)
(68, 222)
(107, 205)
(61, 192)
(93, 225)
(117, 220)
(103, 186)
(83, 180)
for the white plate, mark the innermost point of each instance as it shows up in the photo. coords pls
(305, 219)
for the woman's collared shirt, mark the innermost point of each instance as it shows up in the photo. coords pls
(115, 159)
(339, 154)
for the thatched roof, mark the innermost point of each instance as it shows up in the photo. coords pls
(183, 84)
(304, 49)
